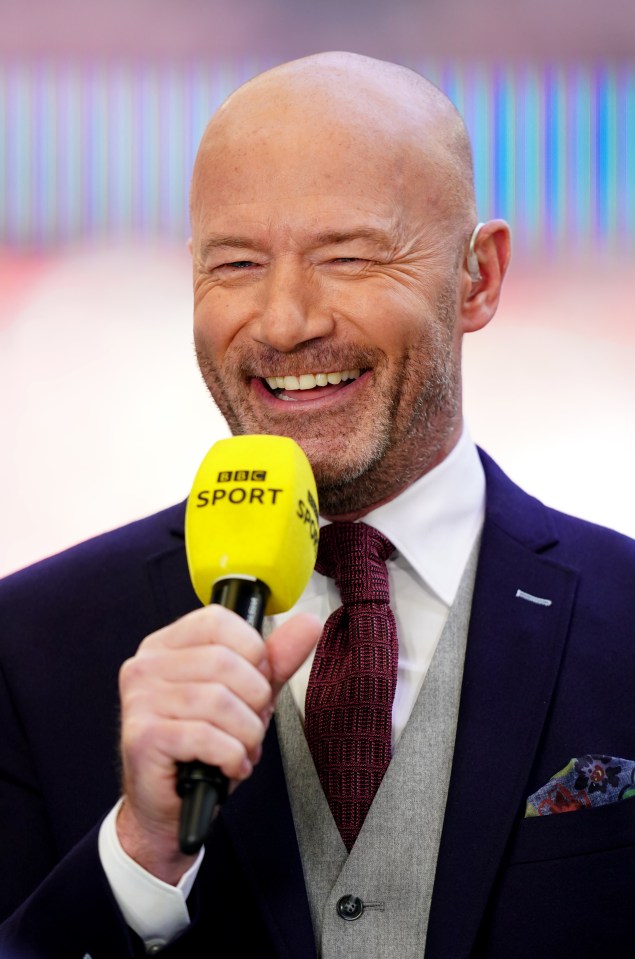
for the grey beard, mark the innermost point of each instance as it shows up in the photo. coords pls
(405, 446)
(434, 415)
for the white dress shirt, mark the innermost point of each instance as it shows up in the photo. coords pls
(433, 525)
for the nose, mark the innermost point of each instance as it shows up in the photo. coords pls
(293, 310)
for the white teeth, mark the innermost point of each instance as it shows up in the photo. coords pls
(308, 381)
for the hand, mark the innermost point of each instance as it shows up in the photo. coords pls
(202, 688)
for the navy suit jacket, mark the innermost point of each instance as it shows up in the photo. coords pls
(542, 684)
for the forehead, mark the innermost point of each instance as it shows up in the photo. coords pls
(308, 146)
(300, 158)
(334, 179)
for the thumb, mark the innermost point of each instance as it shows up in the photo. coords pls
(289, 645)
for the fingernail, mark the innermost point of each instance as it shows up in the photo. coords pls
(266, 714)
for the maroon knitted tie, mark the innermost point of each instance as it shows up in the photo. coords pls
(349, 698)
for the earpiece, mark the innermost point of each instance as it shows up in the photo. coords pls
(472, 259)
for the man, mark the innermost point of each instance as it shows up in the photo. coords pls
(337, 265)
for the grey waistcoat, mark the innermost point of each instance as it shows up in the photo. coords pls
(392, 864)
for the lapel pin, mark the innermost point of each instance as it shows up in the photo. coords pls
(521, 594)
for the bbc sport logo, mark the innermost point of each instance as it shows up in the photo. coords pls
(242, 476)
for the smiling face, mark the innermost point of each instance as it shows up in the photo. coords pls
(327, 281)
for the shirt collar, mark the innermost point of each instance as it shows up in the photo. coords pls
(435, 521)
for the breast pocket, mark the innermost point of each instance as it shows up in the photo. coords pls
(577, 833)
(565, 888)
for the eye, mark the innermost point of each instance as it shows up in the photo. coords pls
(352, 262)
(349, 265)
(233, 267)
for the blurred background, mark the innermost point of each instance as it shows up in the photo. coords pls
(104, 418)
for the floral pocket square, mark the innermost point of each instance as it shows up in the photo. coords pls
(583, 783)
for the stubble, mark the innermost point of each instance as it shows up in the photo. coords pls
(378, 451)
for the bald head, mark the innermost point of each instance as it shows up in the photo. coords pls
(349, 106)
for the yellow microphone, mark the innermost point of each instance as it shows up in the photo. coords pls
(251, 537)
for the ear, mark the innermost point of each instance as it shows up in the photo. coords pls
(189, 246)
(480, 291)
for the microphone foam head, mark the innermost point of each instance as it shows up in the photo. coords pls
(253, 513)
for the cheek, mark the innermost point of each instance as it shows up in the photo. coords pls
(376, 312)
(214, 325)
(403, 327)
(395, 312)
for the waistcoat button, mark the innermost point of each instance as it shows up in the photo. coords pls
(349, 907)
(155, 946)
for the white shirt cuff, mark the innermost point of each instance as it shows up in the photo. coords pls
(153, 909)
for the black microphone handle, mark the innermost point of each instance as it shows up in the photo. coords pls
(200, 786)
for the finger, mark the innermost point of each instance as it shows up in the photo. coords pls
(152, 669)
(208, 626)
(289, 645)
(164, 743)
(213, 704)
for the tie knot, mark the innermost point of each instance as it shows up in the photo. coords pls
(354, 555)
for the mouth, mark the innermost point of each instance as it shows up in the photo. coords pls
(291, 387)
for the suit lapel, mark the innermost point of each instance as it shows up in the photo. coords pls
(514, 650)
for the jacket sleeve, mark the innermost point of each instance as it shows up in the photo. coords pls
(71, 915)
